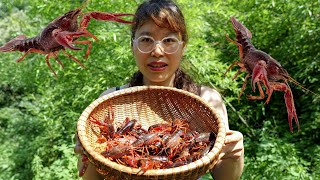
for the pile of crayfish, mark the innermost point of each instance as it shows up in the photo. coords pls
(162, 145)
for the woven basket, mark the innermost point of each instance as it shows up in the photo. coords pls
(151, 105)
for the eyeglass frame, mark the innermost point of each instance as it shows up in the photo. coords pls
(135, 41)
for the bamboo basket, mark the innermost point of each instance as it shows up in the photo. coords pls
(151, 105)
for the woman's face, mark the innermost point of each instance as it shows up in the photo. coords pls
(157, 67)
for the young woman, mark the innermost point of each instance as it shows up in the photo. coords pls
(159, 38)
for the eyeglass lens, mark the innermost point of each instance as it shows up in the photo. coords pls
(146, 44)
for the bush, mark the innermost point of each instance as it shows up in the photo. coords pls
(38, 112)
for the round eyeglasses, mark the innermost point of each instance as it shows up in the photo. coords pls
(147, 44)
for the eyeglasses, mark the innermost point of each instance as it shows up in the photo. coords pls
(147, 44)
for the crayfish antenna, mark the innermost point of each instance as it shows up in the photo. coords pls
(300, 85)
(84, 4)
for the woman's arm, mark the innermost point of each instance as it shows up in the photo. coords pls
(231, 163)
(214, 98)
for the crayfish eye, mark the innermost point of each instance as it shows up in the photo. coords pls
(55, 32)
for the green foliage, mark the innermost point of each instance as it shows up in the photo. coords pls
(38, 112)
(274, 158)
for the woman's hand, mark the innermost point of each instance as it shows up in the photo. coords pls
(78, 149)
(82, 160)
(231, 161)
(233, 145)
(86, 169)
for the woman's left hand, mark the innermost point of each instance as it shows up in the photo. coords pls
(233, 145)
(230, 165)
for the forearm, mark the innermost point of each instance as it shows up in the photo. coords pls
(230, 168)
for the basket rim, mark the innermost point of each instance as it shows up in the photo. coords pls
(205, 160)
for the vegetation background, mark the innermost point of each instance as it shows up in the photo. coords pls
(38, 112)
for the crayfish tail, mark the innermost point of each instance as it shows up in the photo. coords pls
(240, 28)
(12, 44)
(6, 49)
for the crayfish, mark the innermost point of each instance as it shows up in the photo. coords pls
(60, 34)
(161, 146)
(262, 68)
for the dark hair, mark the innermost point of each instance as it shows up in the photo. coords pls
(165, 13)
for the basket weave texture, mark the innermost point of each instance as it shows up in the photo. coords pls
(151, 105)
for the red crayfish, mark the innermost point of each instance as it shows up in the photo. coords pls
(60, 34)
(262, 68)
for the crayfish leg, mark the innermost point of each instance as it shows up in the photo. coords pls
(88, 34)
(57, 59)
(110, 116)
(31, 50)
(234, 63)
(145, 166)
(243, 85)
(261, 95)
(89, 43)
(73, 58)
(49, 65)
(239, 47)
(242, 69)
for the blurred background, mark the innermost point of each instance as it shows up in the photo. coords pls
(39, 112)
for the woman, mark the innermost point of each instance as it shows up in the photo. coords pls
(159, 38)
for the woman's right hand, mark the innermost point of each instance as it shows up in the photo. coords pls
(78, 149)
(86, 170)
